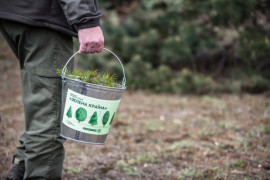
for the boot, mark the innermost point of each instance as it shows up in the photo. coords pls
(17, 170)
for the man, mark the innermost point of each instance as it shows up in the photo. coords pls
(40, 35)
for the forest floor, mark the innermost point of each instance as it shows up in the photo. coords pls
(158, 136)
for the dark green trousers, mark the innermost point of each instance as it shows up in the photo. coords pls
(40, 52)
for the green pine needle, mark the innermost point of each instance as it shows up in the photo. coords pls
(92, 76)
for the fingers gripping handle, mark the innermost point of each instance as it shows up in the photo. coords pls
(124, 76)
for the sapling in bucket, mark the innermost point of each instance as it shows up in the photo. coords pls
(89, 103)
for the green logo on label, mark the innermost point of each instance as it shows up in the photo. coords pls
(93, 120)
(112, 118)
(81, 114)
(106, 117)
(69, 113)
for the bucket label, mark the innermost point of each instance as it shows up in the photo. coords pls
(89, 115)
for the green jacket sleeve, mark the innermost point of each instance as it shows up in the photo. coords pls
(81, 13)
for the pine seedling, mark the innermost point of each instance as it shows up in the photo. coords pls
(59, 72)
(92, 76)
(110, 79)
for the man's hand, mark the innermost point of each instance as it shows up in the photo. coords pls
(91, 40)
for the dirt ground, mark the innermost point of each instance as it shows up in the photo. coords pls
(158, 136)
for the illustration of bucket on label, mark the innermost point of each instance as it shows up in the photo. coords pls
(88, 109)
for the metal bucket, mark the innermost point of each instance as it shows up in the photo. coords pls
(88, 109)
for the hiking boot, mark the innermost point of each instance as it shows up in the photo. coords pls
(17, 170)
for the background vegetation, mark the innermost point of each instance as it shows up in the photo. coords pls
(187, 46)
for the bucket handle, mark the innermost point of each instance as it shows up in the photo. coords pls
(124, 76)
